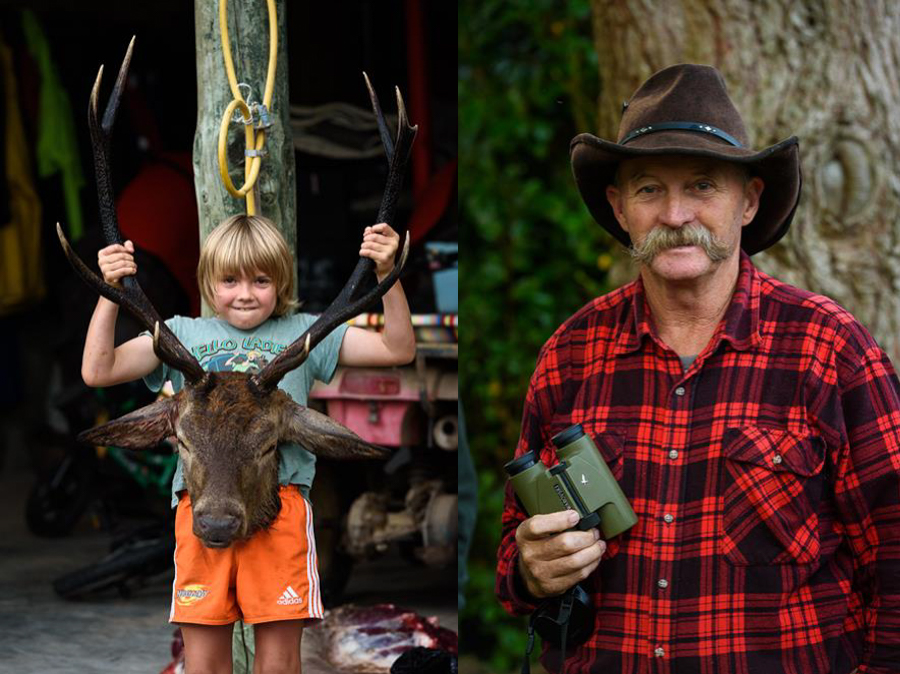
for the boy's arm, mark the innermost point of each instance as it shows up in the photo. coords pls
(102, 363)
(396, 344)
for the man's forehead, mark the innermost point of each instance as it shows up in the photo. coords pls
(674, 165)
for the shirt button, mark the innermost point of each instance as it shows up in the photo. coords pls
(673, 454)
(776, 459)
(679, 391)
(668, 519)
(659, 652)
(663, 583)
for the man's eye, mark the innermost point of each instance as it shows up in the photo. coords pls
(647, 189)
(704, 186)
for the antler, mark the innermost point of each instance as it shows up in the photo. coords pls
(346, 306)
(131, 296)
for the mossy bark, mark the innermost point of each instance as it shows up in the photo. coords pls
(248, 33)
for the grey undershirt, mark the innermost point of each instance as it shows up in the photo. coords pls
(686, 361)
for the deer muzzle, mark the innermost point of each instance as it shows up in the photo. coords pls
(218, 528)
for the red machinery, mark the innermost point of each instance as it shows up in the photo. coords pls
(411, 500)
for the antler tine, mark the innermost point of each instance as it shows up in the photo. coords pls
(346, 305)
(112, 106)
(406, 134)
(131, 297)
(382, 126)
(101, 134)
(398, 156)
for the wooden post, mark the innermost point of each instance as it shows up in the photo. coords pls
(248, 33)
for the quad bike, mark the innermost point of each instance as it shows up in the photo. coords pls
(411, 500)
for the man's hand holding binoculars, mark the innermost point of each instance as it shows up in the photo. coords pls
(551, 557)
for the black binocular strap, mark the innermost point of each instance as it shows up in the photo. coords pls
(565, 612)
(529, 645)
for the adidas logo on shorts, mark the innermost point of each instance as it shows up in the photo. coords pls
(289, 597)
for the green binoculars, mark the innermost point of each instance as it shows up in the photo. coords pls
(581, 481)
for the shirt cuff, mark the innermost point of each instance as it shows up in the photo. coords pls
(521, 600)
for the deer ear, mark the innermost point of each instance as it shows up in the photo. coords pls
(325, 437)
(142, 428)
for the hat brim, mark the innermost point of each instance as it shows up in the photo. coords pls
(594, 163)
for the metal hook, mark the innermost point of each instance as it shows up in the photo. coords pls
(248, 99)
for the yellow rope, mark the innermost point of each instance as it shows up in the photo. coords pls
(252, 141)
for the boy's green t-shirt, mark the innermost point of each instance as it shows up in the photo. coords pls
(219, 346)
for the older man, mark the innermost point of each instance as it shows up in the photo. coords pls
(754, 427)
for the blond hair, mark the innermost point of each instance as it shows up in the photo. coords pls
(244, 244)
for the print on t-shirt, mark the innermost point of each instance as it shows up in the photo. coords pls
(217, 355)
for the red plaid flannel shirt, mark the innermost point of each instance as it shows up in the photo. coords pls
(766, 480)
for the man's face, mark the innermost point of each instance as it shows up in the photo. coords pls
(684, 214)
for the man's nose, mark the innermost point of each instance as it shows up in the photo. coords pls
(676, 211)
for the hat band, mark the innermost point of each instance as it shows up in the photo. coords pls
(682, 126)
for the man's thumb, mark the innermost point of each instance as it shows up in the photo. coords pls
(552, 523)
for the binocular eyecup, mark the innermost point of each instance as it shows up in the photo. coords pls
(523, 463)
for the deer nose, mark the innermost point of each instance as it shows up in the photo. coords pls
(217, 529)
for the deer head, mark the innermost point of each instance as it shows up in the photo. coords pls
(228, 424)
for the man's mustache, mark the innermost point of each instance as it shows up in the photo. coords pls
(664, 238)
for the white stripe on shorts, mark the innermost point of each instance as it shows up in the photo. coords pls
(174, 583)
(316, 609)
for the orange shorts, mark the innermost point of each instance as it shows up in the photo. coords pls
(271, 576)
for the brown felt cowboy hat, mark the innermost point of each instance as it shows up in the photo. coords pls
(685, 110)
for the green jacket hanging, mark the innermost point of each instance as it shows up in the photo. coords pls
(57, 143)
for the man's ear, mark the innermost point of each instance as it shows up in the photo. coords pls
(615, 199)
(752, 193)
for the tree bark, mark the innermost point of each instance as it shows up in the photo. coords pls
(824, 71)
(248, 34)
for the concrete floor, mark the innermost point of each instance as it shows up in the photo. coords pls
(42, 634)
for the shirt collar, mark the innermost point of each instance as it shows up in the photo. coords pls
(739, 326)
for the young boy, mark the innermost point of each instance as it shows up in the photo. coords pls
(246, 275)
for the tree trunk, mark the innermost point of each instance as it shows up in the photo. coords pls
(248, 34)
(824, 71)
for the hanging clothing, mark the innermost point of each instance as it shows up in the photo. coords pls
(57, 143)
(21, 276)
(5, 212)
